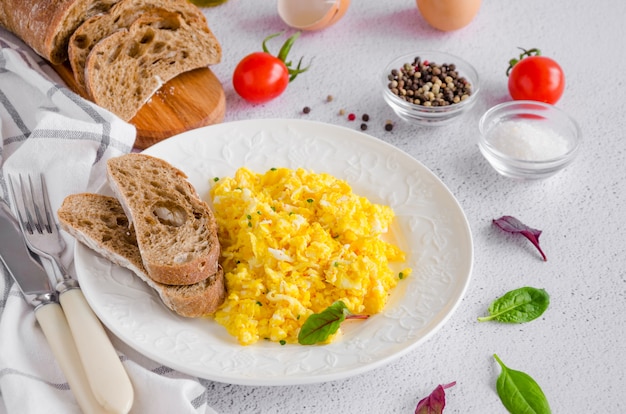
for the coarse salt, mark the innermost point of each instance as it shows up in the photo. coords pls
(527, 141)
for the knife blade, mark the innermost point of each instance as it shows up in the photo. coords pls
(30, 276)
(36, 287)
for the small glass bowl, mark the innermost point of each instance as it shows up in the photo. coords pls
(528, 140)
(430, 115)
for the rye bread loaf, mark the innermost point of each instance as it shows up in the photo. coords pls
(176, 230)
(46, 25)
(100, 223)
(122, 15)
(124, 69)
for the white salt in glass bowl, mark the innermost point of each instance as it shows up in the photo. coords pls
(528, 139)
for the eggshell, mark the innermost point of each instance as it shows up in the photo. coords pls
(448, 15)
(311, 14)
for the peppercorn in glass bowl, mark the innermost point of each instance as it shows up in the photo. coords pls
(430, 88)
(528, 139)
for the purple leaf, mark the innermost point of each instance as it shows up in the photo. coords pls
(512, 225)
(435, 402)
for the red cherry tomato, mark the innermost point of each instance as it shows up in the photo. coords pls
(536, 78)
(261, 77)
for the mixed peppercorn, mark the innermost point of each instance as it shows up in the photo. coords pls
(429, 84)
(365, 118)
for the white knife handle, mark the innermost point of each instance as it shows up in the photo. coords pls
(57, 332)
(105, 372)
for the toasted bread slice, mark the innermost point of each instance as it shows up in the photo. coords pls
(176, 231)
(100, 223)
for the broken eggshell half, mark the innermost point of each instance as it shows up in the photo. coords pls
(311, 14)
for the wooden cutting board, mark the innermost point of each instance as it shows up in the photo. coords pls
(191, 100)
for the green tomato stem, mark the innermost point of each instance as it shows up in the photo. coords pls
(525, 53)
(265, 49)
(284, 51)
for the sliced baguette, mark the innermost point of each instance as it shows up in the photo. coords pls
(126, 68)
(46, 26)
(122, 16)
(176, 230)
(100, 223)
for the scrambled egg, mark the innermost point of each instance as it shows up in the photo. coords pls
(293, 242)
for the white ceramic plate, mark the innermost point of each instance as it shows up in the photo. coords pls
(430, 226)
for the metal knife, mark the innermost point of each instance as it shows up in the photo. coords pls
(30, 276)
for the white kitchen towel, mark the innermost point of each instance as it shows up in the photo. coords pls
(47, 128)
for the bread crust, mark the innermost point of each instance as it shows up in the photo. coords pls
(176, 230)
(46, 25)
(121, 16)
(124, 69)
(101, 224)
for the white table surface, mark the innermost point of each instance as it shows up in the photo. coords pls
(576, 350)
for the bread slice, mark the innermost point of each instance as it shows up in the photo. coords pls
(46, 26)
(121, 16)
(124, 69)
(100, 223)
(176, 230)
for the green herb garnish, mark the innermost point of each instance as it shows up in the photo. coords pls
(320, 326)
(518, 306)
(519, 393)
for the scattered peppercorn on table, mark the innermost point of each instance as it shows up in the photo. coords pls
(569, 330)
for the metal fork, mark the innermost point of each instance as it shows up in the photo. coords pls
(106, 374)
(39, 227)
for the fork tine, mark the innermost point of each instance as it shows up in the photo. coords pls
(40, 224)
(36, 212)
(28, 206)
(19, 202)
(50, 222)
(23, 205)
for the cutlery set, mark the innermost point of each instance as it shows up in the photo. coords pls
(30, 248)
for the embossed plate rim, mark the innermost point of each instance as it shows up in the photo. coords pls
(430, 225)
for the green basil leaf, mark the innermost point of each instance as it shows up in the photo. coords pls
(519, 393)
(518, 306)
(319, 326)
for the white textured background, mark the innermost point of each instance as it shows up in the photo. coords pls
(576, 351)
